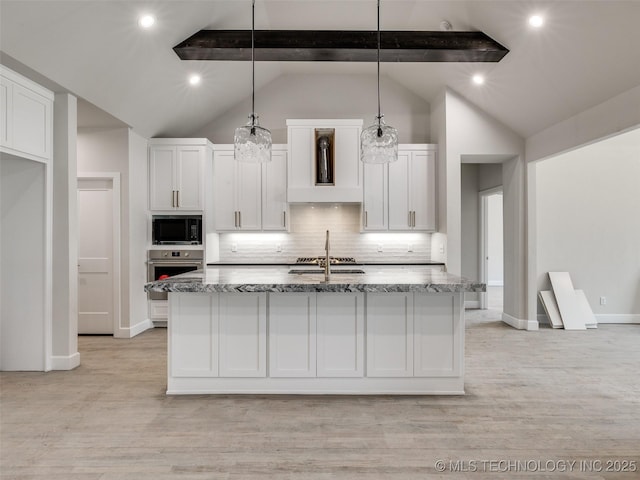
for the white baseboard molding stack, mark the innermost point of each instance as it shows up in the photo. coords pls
(565, 306)
(608, 319)
(551, 308)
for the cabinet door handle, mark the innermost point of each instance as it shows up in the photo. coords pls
(413, 218)
(239, 219)
(284, 218)
(366, 219)
(173, 198)
(409, 218)
(178, 198)
(235, 219)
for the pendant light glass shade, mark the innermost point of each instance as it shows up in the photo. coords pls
(379, 142)
(251, 142)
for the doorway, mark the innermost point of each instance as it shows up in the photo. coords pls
(98, 253)
(491, 248)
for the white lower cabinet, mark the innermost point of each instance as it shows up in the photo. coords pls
(340, 334)
(389, 335)
(316, 335)
(193, 341)
(292, 335)
(243, 334)
(414, 335)
(308, 342)
(438, 347)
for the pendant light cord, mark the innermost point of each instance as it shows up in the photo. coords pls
(253, 68)
(379, 115)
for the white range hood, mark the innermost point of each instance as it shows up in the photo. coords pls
(324, 161)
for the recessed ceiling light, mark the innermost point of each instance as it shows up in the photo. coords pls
(194, 79)
(146, 21)
(536, 21)
(478, 79)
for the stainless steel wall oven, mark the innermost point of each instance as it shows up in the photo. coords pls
(167, 263)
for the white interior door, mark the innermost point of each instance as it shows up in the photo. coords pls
(492, 259)
(95, 256)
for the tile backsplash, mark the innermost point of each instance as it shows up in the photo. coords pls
(306, 238)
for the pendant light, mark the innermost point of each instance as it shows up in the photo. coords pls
(379, 142)
(252, 143)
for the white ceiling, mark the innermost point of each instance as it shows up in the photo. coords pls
(586, 53)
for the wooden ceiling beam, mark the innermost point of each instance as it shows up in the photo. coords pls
(341, 46)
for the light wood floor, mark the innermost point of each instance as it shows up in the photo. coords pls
(534, 397)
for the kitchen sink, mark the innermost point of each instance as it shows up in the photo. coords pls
(352, 271)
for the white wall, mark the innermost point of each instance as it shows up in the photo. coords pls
(470, 211)
(616, 115)
(138, 228)
(588, 223)
(326, 96)
(65, 229)
(439, 137)
(470, 131)
(307, 236)
(22, 264)
(476, 177)
(495, 250)
(489, 176)
(109, 150)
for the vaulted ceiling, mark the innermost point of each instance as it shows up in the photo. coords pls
(586, 53)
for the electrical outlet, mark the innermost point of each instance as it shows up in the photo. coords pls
(278, 248)
(234, 247)
(441, 248)
(380, 249)
(603, 300)
(410, 248)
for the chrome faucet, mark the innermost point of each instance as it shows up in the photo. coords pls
(327, 263)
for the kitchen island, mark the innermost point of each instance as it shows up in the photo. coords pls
(390, 330)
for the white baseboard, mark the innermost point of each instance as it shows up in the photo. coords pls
(519, 323)
(625, 318)
(65, 363)
(495, 283)
(471, 304)
(618, 318)
(136, 329)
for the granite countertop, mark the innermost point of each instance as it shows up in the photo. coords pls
(405, 278)
(293, 262)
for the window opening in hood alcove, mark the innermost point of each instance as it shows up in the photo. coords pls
(325, 153)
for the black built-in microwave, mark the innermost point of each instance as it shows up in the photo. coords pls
(176, 229)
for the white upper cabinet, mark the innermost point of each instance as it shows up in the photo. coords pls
(176, 173)
(275, 208)
(247, 196)
(376, 197)
(422, 190)
(319, 146)
(26, 117)
(401, 196)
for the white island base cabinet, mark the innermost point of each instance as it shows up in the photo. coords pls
(316, 343)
